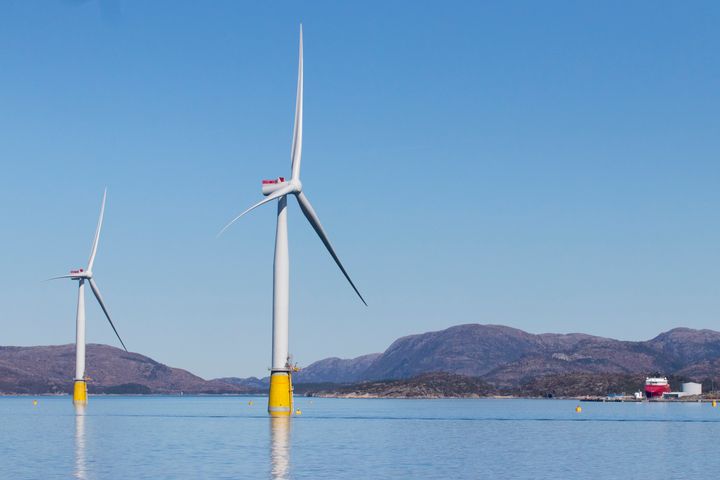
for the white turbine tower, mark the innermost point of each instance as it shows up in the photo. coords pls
(280, 399)
(82, 276)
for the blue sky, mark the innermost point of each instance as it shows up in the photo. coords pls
(553, 167)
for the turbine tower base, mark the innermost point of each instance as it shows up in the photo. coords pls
(80, 392)
(281, 394)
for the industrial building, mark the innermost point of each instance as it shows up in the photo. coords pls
(688, 389)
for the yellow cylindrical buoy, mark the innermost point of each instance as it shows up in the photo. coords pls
(298, 412)
(250, 403)
(80, 392)
(578, 409)
(714, 403)
(280, 400)
(34, 403)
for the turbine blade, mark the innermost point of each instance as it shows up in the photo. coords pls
(315, 222)
(298, 128)
(56, 278)
(95, 290)
(93, 252)
(277, 194)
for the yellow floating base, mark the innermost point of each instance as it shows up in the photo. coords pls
(80, 393)
(280, 401)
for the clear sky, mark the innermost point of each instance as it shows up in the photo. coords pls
(552, 166)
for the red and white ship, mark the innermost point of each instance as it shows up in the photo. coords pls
(656, 386)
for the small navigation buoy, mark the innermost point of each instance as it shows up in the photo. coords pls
(250, 403)
(298, 412)
(35, 403)
(578, 409)
(714, 403)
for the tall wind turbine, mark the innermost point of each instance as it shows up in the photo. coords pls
(280, 399)
(82, 276)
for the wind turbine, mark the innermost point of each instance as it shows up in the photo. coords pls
(82, 276)
(280, 399)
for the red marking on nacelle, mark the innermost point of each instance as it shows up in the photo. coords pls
(273, 182)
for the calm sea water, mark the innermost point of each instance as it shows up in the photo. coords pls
(225, 437)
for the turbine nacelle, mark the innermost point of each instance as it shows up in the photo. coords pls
(271, 186)
(80, 274)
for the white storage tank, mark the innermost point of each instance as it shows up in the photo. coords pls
(692, 388)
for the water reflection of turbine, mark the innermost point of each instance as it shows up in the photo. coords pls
(280, 448)
(80, 464)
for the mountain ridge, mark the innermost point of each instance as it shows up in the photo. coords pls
(502, 357)
(49, 369)
(507, 356)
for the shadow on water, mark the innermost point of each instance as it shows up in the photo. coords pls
(80, 442)
(280, 447)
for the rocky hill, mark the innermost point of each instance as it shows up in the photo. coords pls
(327, 371)
(336, 370)
(252, 384)
(450, 385)
(49, 369)
(504, 358)
(508, 357)
(428, 385)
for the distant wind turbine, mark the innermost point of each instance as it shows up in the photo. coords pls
(83, 275)
(280, 399)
